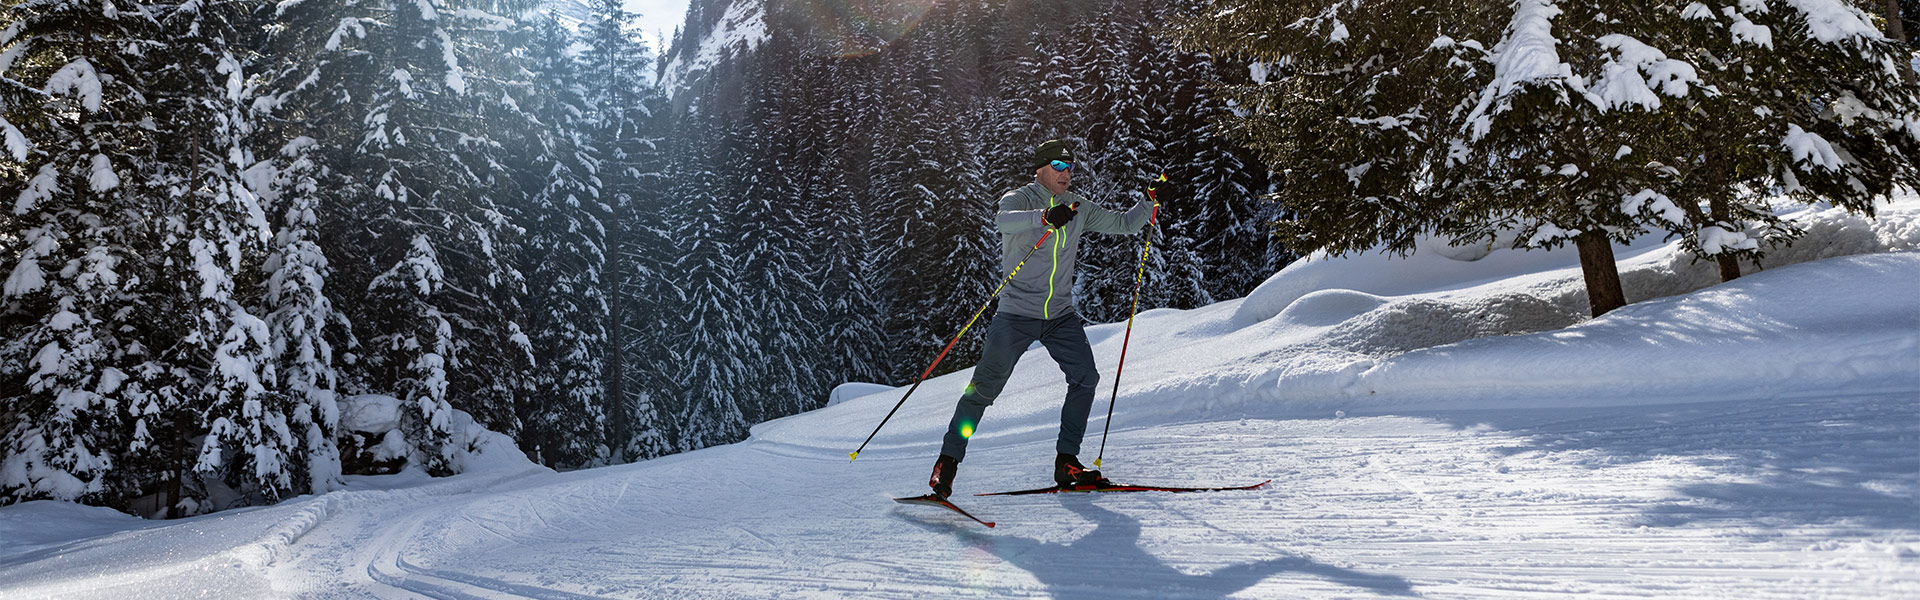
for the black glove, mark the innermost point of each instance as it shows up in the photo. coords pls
(1164, 191)
(1059, 216)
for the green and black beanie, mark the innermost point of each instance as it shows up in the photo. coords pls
(1049, 151)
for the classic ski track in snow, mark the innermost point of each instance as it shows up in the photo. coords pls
(1613, 502)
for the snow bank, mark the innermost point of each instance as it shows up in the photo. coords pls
(370, 413)
(30, 526)
(1407, 332)
(851, 390)
(477, 449)
(1434, 266)
(1802, 330)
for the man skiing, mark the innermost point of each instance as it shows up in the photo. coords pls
(1038, 306)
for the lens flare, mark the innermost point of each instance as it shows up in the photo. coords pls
(966, 429)
(848, 28)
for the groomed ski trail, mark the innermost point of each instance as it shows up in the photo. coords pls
(1757, 499)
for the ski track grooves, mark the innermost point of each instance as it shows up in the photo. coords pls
(386, 563)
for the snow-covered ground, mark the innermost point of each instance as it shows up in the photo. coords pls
(1444, 426)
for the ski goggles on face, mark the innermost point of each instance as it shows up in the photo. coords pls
(1061, 165)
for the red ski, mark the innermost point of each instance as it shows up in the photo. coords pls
(1120, 487)
(932, 500)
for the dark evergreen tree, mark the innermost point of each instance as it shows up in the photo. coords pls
(301, 318)
(710, 357)
(1395, 122)
(207, 252)
(418, 95)
(565, 413)
(928, 181)
(848, 265)
(74, 101)
(1794, 102)
(627, 116)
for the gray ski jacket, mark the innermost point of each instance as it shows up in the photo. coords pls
(1043, 289)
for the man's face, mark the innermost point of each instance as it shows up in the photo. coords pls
(1055, 180)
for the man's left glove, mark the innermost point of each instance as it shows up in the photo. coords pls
(1059, 216)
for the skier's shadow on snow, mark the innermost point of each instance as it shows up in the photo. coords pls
(1110, 560)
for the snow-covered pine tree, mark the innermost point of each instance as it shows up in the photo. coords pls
(899, 223)
(1539, 157)
(1346, 105)
(709, 357)
(208, 245)
(1902, 24)
(1533, 142)
(625, 105)
(1216, 207)
(1801, 103)
(408, 100)
(779, 253)
(478, 123)
(928, 179)
(848, 269)
(299, 314)
(409, 354)
(1366, 124)
(1827, 117)
(565, 413)
(73, 105)
(1097, 59)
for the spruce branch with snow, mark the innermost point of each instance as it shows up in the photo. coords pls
(1542, 123)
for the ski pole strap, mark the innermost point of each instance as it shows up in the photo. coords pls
(855, 455)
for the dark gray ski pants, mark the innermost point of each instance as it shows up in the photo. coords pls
(1065, 338)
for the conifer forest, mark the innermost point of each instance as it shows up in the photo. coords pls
(227, 218)
(229, 224)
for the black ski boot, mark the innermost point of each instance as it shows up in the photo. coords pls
(1068, 472)
(942, 479)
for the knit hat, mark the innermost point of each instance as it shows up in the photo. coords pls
(1050, 151)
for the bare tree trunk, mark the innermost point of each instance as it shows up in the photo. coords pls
(1729, 265)
(173, 485)
(1602, 272)
(1895, 28)
(1897, 31)
(619, 414)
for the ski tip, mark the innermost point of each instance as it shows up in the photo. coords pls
(1096, 462)
(989, 524)
(853, 456)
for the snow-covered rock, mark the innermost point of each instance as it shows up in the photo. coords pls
(477, 448)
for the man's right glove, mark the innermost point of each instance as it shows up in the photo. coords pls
(1059, 216)
(1162, 190)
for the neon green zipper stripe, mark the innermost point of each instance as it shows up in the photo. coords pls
(1046, 308)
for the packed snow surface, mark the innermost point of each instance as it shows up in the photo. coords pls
(1448, 425)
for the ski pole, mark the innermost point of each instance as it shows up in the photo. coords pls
(1137, 277)
(855, 455)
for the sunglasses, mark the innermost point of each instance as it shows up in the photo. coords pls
(1061, 165)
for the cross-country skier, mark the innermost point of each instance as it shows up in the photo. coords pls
(1038, 305)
